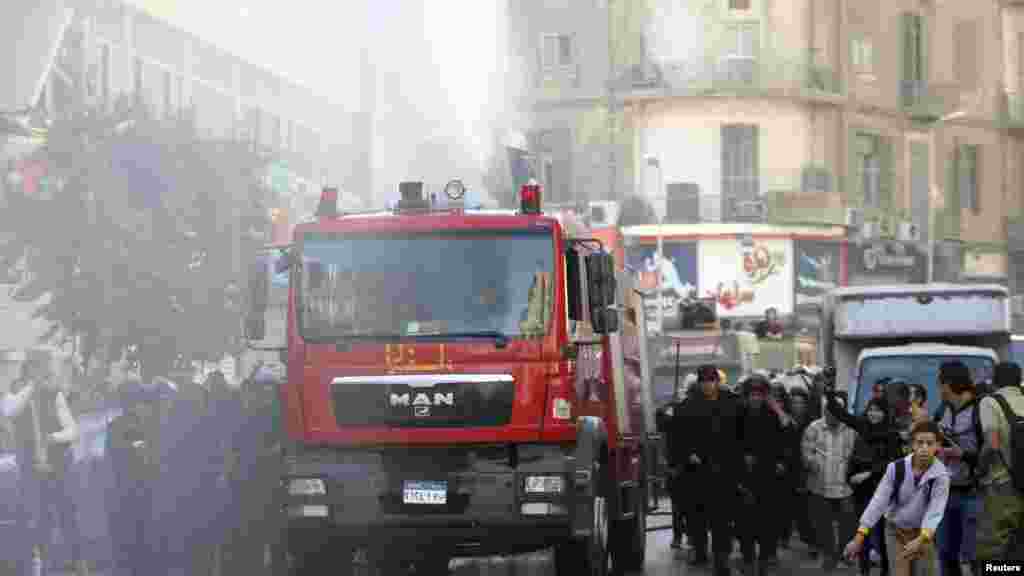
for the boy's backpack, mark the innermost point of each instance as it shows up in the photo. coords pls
(1016, 422)
(900, 469)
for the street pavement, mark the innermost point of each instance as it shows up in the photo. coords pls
(662, 560)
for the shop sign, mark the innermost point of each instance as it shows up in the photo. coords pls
(886, 260)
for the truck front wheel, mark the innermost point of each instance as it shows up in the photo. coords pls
(589, 556)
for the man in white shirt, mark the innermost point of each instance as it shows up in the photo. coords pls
(826, 448)
(44, 429)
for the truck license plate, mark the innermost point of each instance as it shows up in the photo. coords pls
(425, 492)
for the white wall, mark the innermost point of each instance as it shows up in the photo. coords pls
(686, 138)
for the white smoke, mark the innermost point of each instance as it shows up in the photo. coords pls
(677, 32)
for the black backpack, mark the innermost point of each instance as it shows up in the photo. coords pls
(979, 437)
(900, 469)
(1016, 422)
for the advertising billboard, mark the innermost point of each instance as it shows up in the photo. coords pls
(671, 278)
(747, 277)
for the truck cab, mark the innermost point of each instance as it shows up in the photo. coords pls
(908, 331)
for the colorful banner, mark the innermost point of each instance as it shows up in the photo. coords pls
(817, 271)
(747, 278)
(672, 278)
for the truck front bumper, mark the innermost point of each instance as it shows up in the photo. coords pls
(484, 509)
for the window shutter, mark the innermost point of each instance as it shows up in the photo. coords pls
(922, 49)
(951, 213)
(885, 177)
(906, 57)
(853, 194)
(977, 175)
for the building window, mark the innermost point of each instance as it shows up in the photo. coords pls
(967, 177)
(871, 168)
(1020, 60)
(137, 80)
(913, 58)
(275, 133)
(557, 51)
(965, 53)
(739, 164)
(252, 125)
(862, 57)
(104, 79)
(739, 5)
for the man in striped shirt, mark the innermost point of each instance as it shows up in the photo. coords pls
(827, 447)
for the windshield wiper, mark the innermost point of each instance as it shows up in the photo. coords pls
(500, 338)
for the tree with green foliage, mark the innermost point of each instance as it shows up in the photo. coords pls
(132, 246)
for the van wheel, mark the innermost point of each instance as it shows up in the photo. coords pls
(590, 555)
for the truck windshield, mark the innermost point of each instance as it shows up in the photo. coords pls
(916, 369)
(439, 283)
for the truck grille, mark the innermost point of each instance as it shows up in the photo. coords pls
(424, 400)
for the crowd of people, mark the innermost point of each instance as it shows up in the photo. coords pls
(177, 475)
(917, 493)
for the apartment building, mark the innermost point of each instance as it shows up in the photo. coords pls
(1011, 31)
(901, 120)
(572, 52)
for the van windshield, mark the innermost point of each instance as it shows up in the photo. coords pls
(914, 369)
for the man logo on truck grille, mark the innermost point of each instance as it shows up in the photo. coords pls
(421, 402)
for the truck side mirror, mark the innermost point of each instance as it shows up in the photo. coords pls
(602, 287)
(259, 293)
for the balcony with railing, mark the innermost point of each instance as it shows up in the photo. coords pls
(806, 196)
(764, 75)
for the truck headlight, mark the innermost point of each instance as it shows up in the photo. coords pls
(544, 485)
(307, 487)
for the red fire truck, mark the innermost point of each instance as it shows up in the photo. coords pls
(460, 383)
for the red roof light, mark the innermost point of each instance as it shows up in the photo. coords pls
(529, 197)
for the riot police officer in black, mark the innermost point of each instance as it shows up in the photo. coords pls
(708, 442)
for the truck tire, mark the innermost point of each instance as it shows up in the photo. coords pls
(589, 556)
(434, 565)
(630, 544)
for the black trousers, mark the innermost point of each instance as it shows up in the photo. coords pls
(759, 525)
(801, 518)
(676, 485)
(714, 510)
(827, 511)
